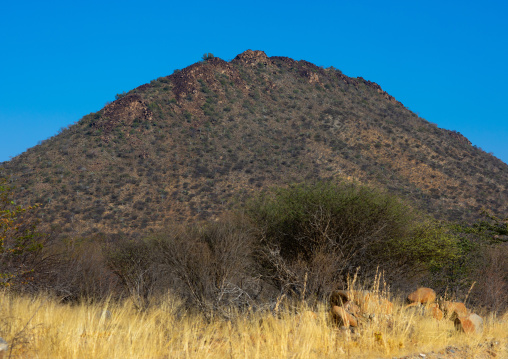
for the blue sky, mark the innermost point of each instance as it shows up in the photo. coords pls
(445, 60)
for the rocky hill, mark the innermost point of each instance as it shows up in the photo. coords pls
(194, 144)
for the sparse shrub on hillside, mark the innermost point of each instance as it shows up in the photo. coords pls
(314, 236)
(207, 56)
(118, 96)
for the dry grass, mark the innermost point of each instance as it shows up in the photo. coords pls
(42, 328)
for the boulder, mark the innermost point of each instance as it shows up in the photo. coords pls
(361, 302)
(434, 311)
(421, 296)
(469, 324)
(339, 297)
(364, 299)
(352, 308)
(3, 347)
(453, 309)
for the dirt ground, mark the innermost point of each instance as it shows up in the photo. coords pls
(488, 350)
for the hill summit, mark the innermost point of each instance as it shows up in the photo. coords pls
(192, 145)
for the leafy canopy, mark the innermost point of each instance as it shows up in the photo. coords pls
(358, 226)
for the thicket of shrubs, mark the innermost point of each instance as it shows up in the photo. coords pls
(298, 242)
(317, 235)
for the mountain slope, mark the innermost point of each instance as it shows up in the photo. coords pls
(191, 145)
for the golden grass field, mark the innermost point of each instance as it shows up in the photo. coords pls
(40, 327)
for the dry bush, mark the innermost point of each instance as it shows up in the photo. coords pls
(75, 270)
(314, 236)
(213, 265)
(491, 290)
(135, 264)
(312, 278)
(210, 266)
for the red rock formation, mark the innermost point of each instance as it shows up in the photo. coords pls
(454, 309)
(469, 324)
(435, 312)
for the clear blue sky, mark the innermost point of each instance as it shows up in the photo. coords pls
(445, 60)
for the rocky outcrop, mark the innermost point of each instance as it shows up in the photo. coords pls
(351, 308)
(252, 58)
(453, 309)
(421, 296)
(435, 312)
(379, 90)
(123, 112)
(348, 308)
(343, 318)
(3, 347)
(311, 76)
(187, 81)
(457, 136)
(469, 324)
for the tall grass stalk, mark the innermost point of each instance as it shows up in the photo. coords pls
(40, 327)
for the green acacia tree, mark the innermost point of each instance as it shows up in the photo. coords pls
(20, 242)
(312, 236)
